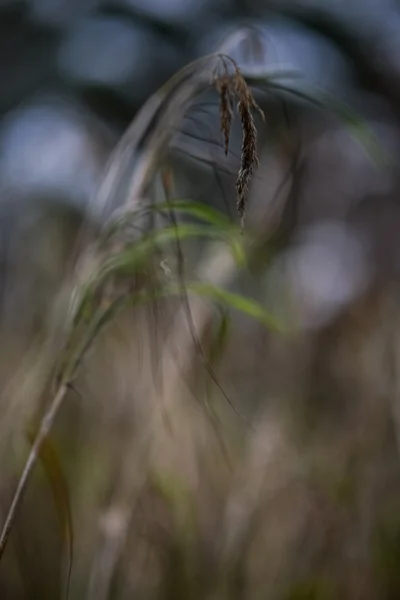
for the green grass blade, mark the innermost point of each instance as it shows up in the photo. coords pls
(134, 256)
(227, 228)
(201, 211)
(238, 302)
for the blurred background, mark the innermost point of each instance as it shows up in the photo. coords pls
(324, 206)
(74, 75)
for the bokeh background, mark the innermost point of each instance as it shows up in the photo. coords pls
(310, 508)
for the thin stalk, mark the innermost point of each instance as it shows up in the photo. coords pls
(46, 425)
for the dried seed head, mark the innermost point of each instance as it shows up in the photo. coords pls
(229, 86)
(249, 158)
(225, 108)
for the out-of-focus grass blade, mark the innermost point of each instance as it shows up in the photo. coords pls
(152, 129)
(180, 500)
(222, 297)
(59, 487)
(219, 341)
(189, 207)
(199, 211)
(236, 301)
(218, 345)
(358, 127)
(325, 101)
(216, 226)
(181, 581)
(135, 256)
(227, 228)
(127, 218)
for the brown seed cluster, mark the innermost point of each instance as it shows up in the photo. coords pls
(231, 86)
(224, 85)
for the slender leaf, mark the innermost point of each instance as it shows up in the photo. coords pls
(356, 125)
(236, 301)
(134, 256)
(199, 211)
(55, 475)
(228, 229)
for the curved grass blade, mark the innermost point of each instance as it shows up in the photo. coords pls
(228, 229)
(201, 211)
(47, 456)
(238, 302)
(154, 125)
(327, 102)
(134, 256)
(152, 128)
(131, 258)
(197, 210)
